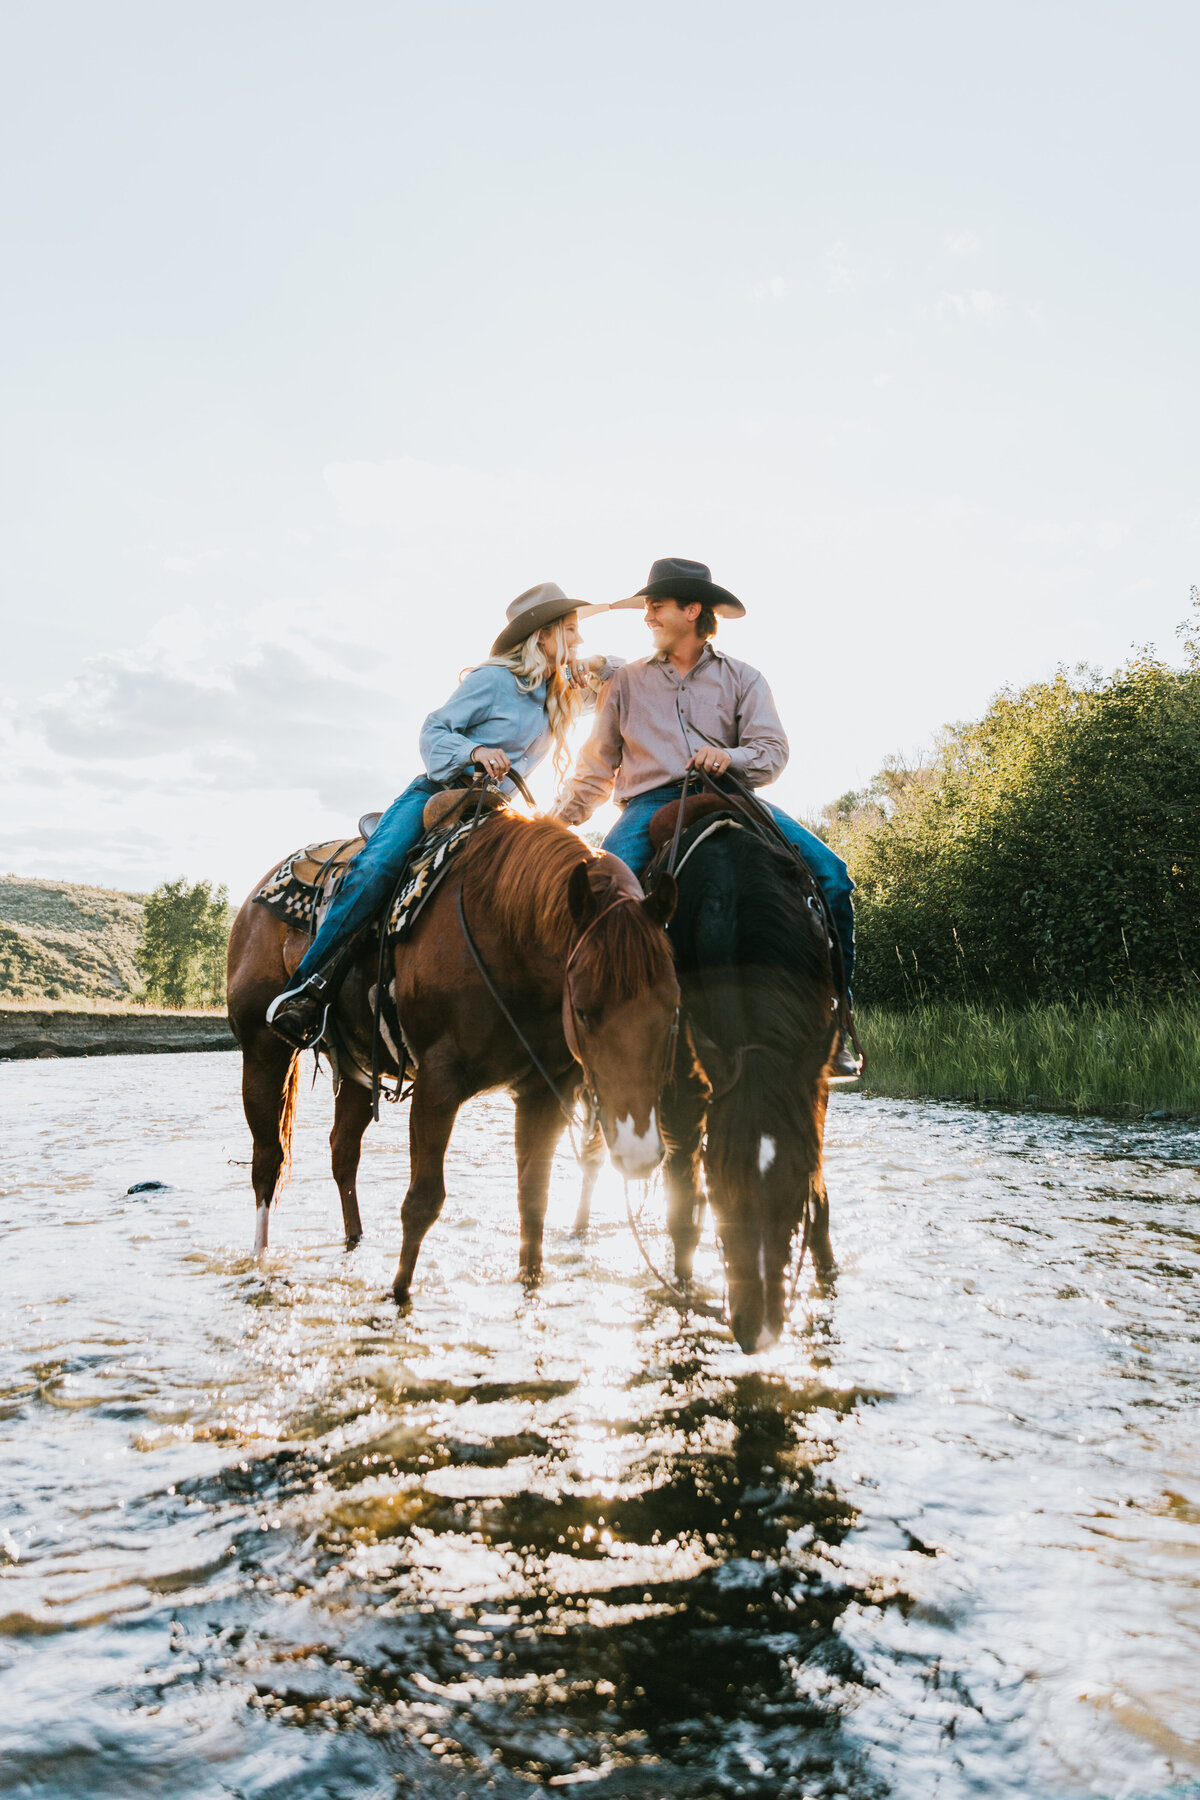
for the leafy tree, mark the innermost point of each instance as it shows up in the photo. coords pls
(182, 956)
(1049, 851)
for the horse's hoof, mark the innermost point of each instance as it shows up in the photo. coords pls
(352, 1243)
(401, 1295)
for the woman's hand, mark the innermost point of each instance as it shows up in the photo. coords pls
(712, 759)
(495, 762)
(579, 674)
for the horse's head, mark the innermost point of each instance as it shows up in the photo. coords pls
(764, 1182)
(765, 1127)
(758, 1243)
(621, 1005)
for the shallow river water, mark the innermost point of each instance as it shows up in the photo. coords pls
(262, 1536)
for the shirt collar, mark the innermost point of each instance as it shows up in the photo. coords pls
(709, 650)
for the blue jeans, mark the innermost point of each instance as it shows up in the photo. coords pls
(630, 840)
(371, 876)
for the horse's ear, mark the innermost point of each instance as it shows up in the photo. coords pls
(580, 898)
(661, 903)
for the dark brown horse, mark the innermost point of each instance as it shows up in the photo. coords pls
(747, 1104)
(572, 948)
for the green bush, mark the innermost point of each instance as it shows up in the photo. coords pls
(182, 955)
(1048, 853)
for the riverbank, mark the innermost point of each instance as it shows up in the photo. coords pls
(1081, 1058)
(104, 1030)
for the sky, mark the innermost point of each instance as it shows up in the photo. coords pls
(325, 330)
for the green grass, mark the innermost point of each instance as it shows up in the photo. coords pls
(1079, 1058)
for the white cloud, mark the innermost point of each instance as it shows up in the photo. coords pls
(1110, 534)
(978, 303)
(775, 289)
(227, 737)
(964, 243)
(273, 715)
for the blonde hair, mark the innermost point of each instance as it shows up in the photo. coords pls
(564, 703)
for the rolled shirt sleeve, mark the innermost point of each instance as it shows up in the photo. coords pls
(650, 721)
(595, 769)
(452, 731)
(761, 753)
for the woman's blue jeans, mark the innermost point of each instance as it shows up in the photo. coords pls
(371, 876)
(630, 840)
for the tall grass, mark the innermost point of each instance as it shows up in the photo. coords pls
(1087, 1057)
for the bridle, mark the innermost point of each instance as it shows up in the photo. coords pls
(744, 807)
(571, 1014)
(570, 1011)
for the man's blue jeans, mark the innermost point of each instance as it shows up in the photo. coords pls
(630, 840)
(371, 876)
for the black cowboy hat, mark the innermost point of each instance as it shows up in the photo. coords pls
(678, 578)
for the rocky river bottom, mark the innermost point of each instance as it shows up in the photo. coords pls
(261, 1535)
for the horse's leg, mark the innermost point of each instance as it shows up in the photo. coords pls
(435, 1103)
(351, 1116)
(270, 1080)
(592, 1159)
(683, 1131)
(539, 1127)
(819, 1241)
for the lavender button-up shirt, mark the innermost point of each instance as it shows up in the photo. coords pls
(650, 719)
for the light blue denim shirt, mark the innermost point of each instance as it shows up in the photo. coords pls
(488, 707)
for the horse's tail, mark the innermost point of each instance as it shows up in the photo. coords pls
(287, 1118)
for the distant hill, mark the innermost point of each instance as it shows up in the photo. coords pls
(61, 941)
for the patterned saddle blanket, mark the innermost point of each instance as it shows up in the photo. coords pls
(302, 889)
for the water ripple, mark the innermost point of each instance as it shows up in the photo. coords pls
(262, 1535)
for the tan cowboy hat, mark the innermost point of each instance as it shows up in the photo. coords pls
(538, 606)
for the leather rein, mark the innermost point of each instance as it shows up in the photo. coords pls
(399, 1091)
(570, 1011)
(754, 816)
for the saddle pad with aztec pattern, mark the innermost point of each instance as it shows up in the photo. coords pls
(292, 892)
(307, 879)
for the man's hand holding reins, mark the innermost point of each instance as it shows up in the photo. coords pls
(712, 759)
(494, 762)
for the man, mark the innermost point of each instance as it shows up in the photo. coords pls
(688, 706)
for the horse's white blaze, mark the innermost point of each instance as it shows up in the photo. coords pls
(633, 1151)
(262, 1216)
(766, 1154)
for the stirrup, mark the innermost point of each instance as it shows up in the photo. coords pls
(844, 1065)
(302, 1033)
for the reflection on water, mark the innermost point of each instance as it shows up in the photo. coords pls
(263, 1536)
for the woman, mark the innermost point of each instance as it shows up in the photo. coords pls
(504, 715)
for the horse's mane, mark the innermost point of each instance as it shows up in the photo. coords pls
(742, 905)
(519, 869)
(755, 967)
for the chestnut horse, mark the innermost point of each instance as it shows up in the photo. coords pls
(580, 961)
